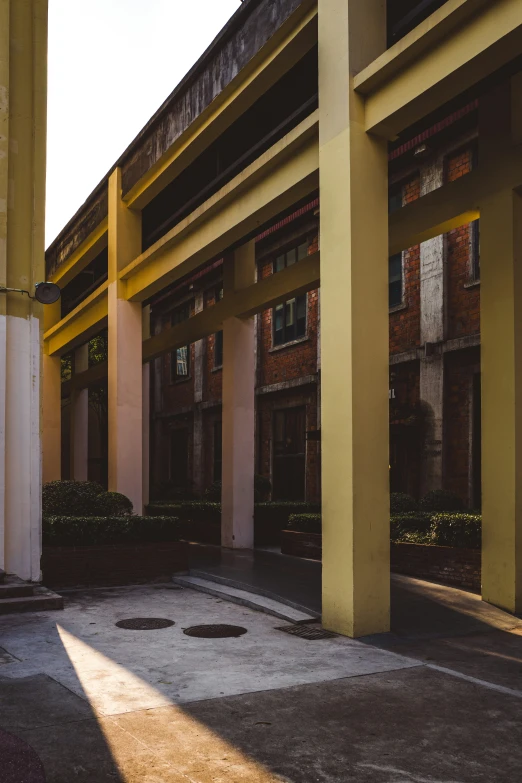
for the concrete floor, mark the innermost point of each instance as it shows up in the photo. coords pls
(98, 703)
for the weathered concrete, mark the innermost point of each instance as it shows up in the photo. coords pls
(120, 671)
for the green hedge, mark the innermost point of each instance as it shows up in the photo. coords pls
(93, 531)
(277, 513)
(83, 499)
(440, 500)
(306, 523)
(190, 511)
(401, 503)
(458, 530)
(412, 527)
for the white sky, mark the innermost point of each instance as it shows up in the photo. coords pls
(112, 63)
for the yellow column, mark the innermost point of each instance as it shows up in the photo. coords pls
(52, 405)
(23, 72)
(354, 327)
(237, 494)
(146, 409)
(501, 365)
(125, 366)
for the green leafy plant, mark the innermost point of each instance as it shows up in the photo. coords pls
(95, 531)
(73, 498)
(440, 500)
(457, 530)
(305, 523)
(113, 504)
(412, 527)
(401, 503)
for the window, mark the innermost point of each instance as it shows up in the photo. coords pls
(475, 250)
(289, 319)
(218, 450)
(289, 454)
(179, 457)
(395, 280)
(180, 358)
(395, 198)
(218, 338)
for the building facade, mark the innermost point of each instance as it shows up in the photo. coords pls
(434, 305)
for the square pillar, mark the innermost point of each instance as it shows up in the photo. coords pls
(125, 377)
(52, 404)
(146, 410)
(23, 77)
(237, 494)
(353, 176)
(80, 419)
(501, 367)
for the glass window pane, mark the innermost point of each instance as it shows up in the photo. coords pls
(290, 312)
(279, 263)
(302, 251)
(301, 316)
(182, 362)
(218, 349)
(291, 257)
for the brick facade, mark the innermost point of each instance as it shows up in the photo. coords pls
(288, 375)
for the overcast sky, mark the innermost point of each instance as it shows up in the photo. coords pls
(111, 65)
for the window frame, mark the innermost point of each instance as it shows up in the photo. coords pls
(218, 336)
(303, 298)
(401, 303)
(173, 360)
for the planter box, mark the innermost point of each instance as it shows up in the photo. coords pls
(201, 532)
(112, 564)
(298, 544)
(451, 565)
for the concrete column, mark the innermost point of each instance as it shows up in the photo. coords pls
(146, 410)
(354, 327)
(501, 359)
(199, 370)
(23, 74)
(52, 404)
(432, 329)
(125, 379)
(237, 521)
(80, 419)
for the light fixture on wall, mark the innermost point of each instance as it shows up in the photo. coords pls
(45, 293)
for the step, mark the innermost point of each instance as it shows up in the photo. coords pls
(249, 588)
(42, 600)
(254, 601)
(2, 576)
(16, 590)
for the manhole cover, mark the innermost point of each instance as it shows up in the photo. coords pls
(307, 631)
(215, 631)
(144, 623)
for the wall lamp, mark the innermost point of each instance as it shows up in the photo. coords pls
(45, 293)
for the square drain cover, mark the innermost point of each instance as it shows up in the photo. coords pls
(310, 631)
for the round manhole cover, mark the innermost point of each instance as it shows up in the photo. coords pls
(144, 623)
(215, 631)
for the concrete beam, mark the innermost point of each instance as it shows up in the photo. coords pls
(283, 175)
(85, 321)
(431, 66)
(292, 281)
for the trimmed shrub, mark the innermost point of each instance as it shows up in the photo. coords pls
(71, 498)
(275, 514)
(457, 530)
(401, 503)
(199, 511)
(163, 508)
(94, 531)
(440, 500)
(113, 504)
(305, 523)
(413, 528)
(262, 488)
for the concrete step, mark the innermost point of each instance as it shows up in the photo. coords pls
(15, 590)
(42, 600)
(249, 588)
(2, 576)
(254, 601)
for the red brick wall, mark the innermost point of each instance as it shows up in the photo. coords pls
(287, 363)
(405, 322)
(213, 378)
(463, 302)
(459, 369)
